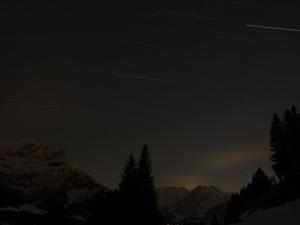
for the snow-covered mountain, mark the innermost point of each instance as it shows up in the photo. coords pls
(168, 196)
(179, 204)
(33, 171)
(285, 214)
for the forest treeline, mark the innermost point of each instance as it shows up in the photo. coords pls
(264, 191)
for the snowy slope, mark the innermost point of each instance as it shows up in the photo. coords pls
(282, 215)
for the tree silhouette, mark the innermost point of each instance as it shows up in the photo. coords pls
(261, 183)
(276, 143)
(137, 192)
(128, 192)
(248, 196)
(285, 145)
(147, 194)
(128, 183)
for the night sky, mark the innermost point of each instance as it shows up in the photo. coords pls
(199, 86)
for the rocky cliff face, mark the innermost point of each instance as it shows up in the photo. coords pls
(32, 171)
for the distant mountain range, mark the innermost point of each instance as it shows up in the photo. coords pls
(179, 204)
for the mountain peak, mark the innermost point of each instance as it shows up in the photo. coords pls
(25, 156)
(181, 205)
(34, 168)
(206, 189)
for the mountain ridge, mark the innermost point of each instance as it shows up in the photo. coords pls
(33, 170)
(179, 204)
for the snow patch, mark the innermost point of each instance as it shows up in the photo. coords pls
(286, 214)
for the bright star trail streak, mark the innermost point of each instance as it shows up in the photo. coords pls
(272, 28)
(137, 77)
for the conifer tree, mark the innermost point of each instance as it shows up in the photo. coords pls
(146, 180)
(261, 183)
(292, 143)
(128, 183)
(276, 143)
(147, 194)
(296, 158)
(285, 145)
(128, 193)
(137, 192)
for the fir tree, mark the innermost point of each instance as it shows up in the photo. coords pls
(292, 143)
(137, 192)
(285, 145)
(276, 143)
(128, 184)
(146, 184)
(147, 194)
(261, 183)
(128, 193)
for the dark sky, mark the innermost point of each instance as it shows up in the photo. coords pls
(199, 85)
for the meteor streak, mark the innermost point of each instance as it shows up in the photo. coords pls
(272, 28)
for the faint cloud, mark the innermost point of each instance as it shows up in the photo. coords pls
(187, 181)
(234, 158)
